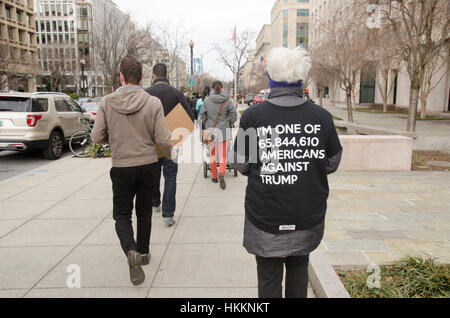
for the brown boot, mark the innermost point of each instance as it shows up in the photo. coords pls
(137, 275)
(146, 259)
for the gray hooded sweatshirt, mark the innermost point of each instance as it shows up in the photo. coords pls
(210, 110)
(133, 123)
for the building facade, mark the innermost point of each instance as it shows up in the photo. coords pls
(18, 48)
(176, 66)
(264, 41)
(290, 23)
(367, 91)
(66, 30)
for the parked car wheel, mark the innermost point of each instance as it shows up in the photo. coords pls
(55, 147)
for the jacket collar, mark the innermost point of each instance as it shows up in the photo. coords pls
(286, 96)
(161, 80)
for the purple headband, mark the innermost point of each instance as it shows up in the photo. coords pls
(274, 84)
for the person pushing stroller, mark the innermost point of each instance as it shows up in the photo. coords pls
(218, 114)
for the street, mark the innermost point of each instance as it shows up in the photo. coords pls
(15, 163)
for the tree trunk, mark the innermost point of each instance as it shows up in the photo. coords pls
(413, 102)
(321, 97)
(353, 98)
(349, 104)
(423, 103)
(385, 104)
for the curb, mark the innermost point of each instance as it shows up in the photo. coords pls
(323, 278)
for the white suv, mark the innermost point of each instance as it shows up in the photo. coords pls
(44, 121)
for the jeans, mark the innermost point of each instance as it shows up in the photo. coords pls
(170, 171)
(270, 277)
(128, 184)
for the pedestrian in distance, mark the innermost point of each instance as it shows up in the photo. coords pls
(133, 124)
(170, 98)
(201, 100)
(286, 146)
(193, 103)
(219, 115)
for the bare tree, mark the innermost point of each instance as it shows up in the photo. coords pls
(142, 46)
(384, 56)
(421, 28)
(114, 41)
(56, 77)
(233, 59)
(5, 66)
(173, 42)
(320, 74)
(202, 81)
(435, 71)
(110, 47)
(342, 52)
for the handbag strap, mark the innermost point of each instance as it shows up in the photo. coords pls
(219, 114)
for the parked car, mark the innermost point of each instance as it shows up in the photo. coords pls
(259, 99)
(249, 99)
(84, 100)
(91, 108)
(42, 121)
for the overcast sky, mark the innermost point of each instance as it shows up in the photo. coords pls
(206, 21)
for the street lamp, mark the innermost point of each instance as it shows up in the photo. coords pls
(83, 64)
(191, 44)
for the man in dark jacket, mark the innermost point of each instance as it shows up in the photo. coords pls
(170, 98)
(287, 146)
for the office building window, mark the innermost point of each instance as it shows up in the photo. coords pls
(302, 34)
(285, 35)
(303, 12)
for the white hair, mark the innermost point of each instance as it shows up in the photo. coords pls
(288, 65)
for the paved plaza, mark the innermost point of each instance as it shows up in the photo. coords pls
(431, 135)
(61, 214)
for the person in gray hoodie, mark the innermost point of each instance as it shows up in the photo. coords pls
(218, 109)
(133, 123)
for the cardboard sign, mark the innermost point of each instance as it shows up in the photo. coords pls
(180, 124)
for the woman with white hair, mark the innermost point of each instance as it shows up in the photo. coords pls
(287, 146)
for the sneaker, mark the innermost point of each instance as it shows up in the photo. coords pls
(137, 275)
(223, 185)
(146, 259)
(157, 209)
(215, 180)
(169, 221)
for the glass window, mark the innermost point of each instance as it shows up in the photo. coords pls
(39, 105)
(302, 34)
(303, 12)
(61, 105)
(74, 107)
(14, 104)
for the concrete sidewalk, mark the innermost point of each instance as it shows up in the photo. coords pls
(60, 215)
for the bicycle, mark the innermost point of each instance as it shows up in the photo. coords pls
(82, 139)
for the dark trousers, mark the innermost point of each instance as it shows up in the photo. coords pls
(270, 277)
(170, 171)
(128, 184)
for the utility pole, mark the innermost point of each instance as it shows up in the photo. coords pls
(191, 44)
(83, 64)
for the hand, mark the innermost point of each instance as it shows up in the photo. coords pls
(174, 153)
